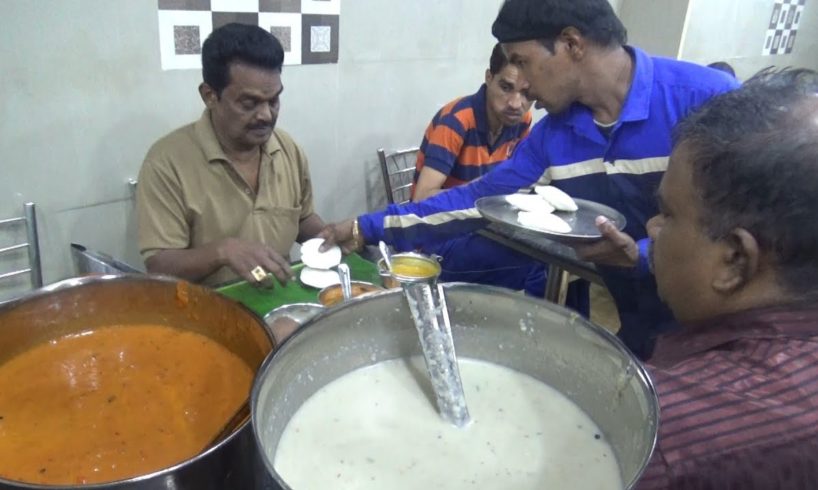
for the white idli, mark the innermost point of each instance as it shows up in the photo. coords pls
(545, 222)
(319, 278)
(530, 202)
(556, 197)
(319, 260)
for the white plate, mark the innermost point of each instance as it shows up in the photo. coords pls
(319, 260)
(583, 222)
(319, 278)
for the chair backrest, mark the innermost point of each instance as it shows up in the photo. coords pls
(31, 245)
(398, 169)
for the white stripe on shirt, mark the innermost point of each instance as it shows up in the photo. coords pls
(598, 166)
(407, 220)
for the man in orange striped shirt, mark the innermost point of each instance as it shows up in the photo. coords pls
(471, 135)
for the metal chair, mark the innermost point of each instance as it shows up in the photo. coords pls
(32, 245)
(398, 169)
(88, 261)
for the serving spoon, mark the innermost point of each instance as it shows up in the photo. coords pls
(346, 282)
(387, 257)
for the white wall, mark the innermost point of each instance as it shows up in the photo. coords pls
(654, 25)
(734, 31)
(82, 97)
(704, 31)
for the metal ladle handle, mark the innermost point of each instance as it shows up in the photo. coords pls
(427, 304)
(346, 281)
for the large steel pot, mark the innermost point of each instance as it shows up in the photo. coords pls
(585, 362)
(77, 305)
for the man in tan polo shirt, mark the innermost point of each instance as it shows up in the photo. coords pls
(229, 193)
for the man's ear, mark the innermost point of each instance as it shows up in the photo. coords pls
(739, 262)
(489, 76)
(208, 95)
(574, 42)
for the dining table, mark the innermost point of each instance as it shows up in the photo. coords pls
(263, 300)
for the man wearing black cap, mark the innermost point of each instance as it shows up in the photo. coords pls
(612, 109)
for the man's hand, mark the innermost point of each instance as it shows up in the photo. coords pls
(243, 256)
(339, 234)
(616, 248)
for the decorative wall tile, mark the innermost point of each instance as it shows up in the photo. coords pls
(184, 4)
(319, 40)
(186, 40)
(321, 7)
(224, 18)
(285, 22)
(307, 29)
(284, 35)
(176, 56)
(783, 28)
(283, 6)
(234, 5)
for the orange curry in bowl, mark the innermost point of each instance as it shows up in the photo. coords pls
(333, 295)
(114, 403)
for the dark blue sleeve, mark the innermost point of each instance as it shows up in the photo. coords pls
(452, 213)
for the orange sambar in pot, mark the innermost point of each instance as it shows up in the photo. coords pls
(114, 402)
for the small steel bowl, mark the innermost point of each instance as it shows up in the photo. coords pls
(332, 295)
(387, 280)
(413, 266)
(285, 320)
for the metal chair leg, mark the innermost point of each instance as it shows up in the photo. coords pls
(556, 286)
(33, 245)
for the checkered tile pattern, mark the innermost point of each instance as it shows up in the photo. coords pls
(307, 29)
(783, 29)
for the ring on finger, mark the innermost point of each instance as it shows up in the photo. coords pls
(258, 273)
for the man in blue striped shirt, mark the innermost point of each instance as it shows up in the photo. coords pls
(612, 109)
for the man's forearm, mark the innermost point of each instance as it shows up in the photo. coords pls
(421, 194)
(193, 264)
(446, 215)
(309, 227)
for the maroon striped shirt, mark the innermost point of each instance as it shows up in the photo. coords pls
(739, 403)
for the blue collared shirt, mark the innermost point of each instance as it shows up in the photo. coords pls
(568, 151)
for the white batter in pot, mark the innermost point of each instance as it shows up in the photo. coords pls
(377, 428)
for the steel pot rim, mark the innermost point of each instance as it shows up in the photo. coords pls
(639, 369)
(84, 281)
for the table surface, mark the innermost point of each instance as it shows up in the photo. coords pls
(264, 300)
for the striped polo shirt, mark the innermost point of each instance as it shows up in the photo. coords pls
(456, 142)
(739, 403)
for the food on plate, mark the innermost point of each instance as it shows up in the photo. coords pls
(545, 222)
(332, 295)
(530, 202)
(556, 198)
(319, 260)
(414, 267)
(319, 278)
